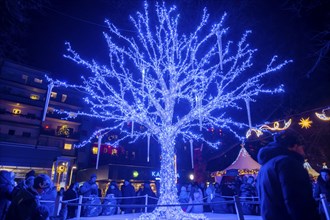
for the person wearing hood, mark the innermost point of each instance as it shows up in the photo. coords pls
(322, 187)
(115, 191)
(284, 187)
(184, 198)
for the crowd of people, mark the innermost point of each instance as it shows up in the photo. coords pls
(23, 200)
(282, 190)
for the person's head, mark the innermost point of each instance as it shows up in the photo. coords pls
(126, 182)
(195, 192)
(93, 178)
(292, 141)
(325, 174)
(113, 184)
(42, 183)
(30, 173)
(218, 191)
(146, 184)
(250, 180)
(29, 181)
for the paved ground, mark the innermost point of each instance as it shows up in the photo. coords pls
(210, 216)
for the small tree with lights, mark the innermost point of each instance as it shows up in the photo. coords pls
(173, 84)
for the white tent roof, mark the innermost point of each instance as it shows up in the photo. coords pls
(244, 162)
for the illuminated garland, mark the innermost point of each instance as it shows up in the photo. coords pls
(303, 122)
(150, 74)
(276, 126)
(322, 115)
(241, 172)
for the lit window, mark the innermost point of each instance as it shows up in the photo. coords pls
(17, 111)
(50, 110)
(64, 98)
(114, 151)
(94, 150)
(34, 97)
(53, 95)
(38, 80)
(67, 146)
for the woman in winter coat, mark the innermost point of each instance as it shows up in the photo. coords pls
(196, 197)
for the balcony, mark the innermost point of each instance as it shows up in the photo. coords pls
(29, 119)
(20, 98)
(18, 139)
(54, 133)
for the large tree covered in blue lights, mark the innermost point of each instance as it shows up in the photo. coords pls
(173, 84)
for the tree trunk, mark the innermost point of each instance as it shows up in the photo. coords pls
(168, 189)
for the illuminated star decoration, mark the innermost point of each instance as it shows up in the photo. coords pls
(305, 123)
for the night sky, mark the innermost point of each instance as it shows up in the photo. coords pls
(277, 29)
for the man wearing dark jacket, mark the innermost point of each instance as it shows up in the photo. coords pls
(26, 205)
(284, 187)
(128, 190)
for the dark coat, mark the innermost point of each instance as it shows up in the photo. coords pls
(69, 195)
(151, 201)
(128, 191)
(322, 187)
(116, 193)
(284, 187)
(6, 188)
(25, 206)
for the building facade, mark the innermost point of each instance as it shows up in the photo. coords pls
(27, 139)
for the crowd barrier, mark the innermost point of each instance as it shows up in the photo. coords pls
(236, 200)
